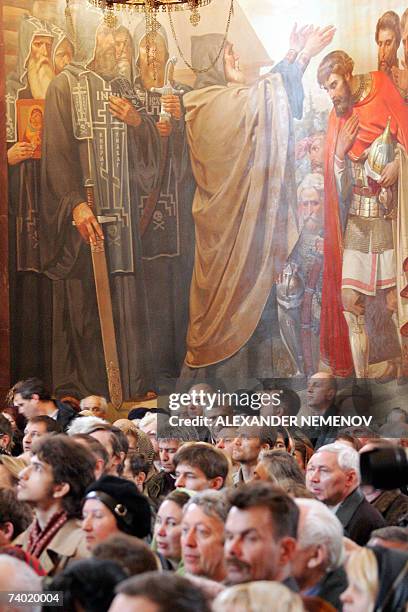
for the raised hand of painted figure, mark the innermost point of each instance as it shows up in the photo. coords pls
(347, 136)
(298, 38)
(318, 39)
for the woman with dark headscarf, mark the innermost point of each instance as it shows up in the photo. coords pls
(112, 505)
(377, 581)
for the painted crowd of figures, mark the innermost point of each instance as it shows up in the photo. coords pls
(234, 225)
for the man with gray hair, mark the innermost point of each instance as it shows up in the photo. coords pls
(85, 425)
(333, 476)
(299, 286)
(317, 565)
(17, 576)
(310, 194)
(95, 404)
(202, 535)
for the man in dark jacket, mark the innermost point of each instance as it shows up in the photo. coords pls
(31, 398)
(333, 476)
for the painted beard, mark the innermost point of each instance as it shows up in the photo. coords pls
(386, 66)
(125, 69)
(343, 103)
(40, 75)
(152, 75)
(312, 223)
(105, 64)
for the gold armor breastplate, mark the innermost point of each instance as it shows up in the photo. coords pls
(369, 223)
(368, 200)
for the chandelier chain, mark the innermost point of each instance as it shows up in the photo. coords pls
(215, 60)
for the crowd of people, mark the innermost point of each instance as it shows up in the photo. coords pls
(138, 516)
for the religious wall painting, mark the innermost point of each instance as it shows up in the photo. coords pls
(300, 286)
(30, 117)
(165, 244)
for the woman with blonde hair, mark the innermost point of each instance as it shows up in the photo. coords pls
(260, 596)
(377, 580)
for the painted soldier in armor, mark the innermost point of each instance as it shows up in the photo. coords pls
(299, 287)
(363, 256)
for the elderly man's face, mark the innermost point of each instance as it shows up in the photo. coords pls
(39, 66)
(252, 549)
(310, 209)
(105, 52)
(94, 404)
(41, 49)
(387, 50)
(123, 52)
(63, 55)
(202, 543)
(326, 480)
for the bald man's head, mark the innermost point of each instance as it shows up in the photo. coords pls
(321, 391)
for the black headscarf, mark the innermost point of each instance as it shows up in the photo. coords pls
(129, 507)
(392, 578)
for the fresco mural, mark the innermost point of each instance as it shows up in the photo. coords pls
(234, 223)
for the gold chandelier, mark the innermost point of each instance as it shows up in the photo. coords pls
(152, 7)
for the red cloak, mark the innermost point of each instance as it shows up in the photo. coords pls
(382, 102)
